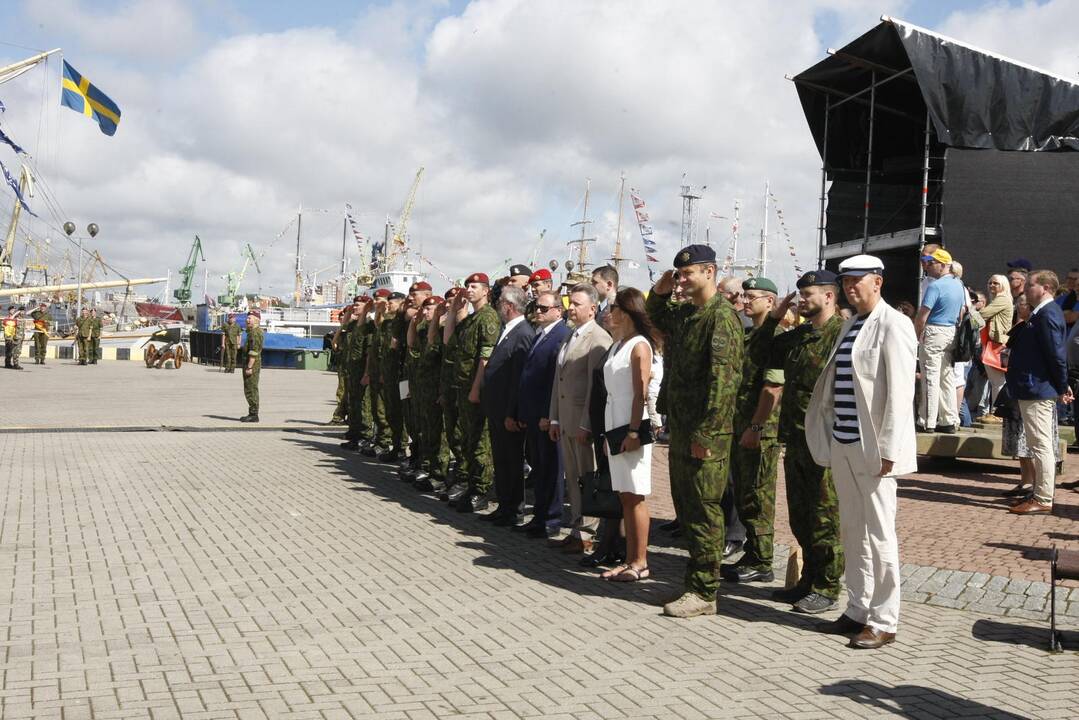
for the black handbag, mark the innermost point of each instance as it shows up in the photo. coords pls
(1005, 406)
(597, 497)
(618, 434)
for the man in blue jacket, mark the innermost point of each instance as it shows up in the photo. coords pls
(533, 406)
(1038, 377)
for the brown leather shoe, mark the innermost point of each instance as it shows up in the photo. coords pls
(844, 625)
(870, 639)
(1032, 507)
(576, 545)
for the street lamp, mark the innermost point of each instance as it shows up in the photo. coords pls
(69, 228)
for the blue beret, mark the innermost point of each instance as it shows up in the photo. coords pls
(694, 254)
(817, 277)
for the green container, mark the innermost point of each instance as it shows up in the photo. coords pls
(314, 360)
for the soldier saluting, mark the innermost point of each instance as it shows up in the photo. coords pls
(704, 342)
(252, 365)
(84, 328)
(42, 321)
(230, 343)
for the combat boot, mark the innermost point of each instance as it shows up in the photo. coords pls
(690, 605)
(350, 445)
(389, 455)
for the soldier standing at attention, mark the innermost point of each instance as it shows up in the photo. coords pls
(82, 335)
(812, 504)
(42, 321)
(390, 351)
(476, 337)
(356, 391)
(755, 455)
(373, 377)
(340, 347)
(230, 343)
(95, 336)
(417, 294)
(252, 365)
(447, 397)
(705, 344)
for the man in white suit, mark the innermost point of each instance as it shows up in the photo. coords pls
(860, 422)
(580, 356)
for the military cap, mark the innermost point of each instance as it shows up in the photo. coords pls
(1020, 264)
(520, 270)
(254, 313)
(868, 264)
(478, 278)
(760, 283)
(694, 255)
(816, 277)
(433, 300)
(397, 296)
(453, 292)
(382, 294)
(420, 285)
(541, 274)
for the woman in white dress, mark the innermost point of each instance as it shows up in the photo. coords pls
(626, 374)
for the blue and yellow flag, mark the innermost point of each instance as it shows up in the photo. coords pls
(78, 94)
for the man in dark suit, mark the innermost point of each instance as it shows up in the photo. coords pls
(498, 396)
(1038, 378)
(533, 407)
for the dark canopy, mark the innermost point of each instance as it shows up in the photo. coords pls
(975, 99)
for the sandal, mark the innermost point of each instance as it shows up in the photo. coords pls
(615, 571)
(632, 574)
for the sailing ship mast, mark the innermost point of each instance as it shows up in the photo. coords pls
(762, 258)
(297, 292)
(616, 257)
(582, 242)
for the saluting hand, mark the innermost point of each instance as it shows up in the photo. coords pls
(665, 284)
(780, 310)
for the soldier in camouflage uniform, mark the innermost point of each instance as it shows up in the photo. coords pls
(373, 377)
(425, 348)
(230, 343)
(476, 337)
(705, 345)
(447, 397)
(42, 321)
(18, 337)
(252, 366)
(755, 455)
(354, 360)
(417, 294)
(391, 350)
(811, 498)
(340, 347)
(83, 327)
(95, 336)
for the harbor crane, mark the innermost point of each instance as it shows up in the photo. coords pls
(233, 279)
(187, 272)
(26, 190)
(399, 242)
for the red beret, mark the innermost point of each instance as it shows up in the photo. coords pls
(421, 285)
(541, 274)
(433, 300)
(256, 313)
(453, 292)
(478, 278)
(382, 293)
(363, 298)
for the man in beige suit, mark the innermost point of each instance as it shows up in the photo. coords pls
(860, 422)
(581, 355)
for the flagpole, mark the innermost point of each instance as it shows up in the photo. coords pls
(16, 69)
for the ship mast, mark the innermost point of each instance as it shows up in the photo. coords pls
(616, 258)
(762, 257)
(582, 242)
(298, 290)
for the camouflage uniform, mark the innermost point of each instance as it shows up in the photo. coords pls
(95, 339)
(381, 429)
(253, 349)
(811, 499)
(476, 338)
(359, 399)
(82, 337)
(17, 339)
(231, 334)
(705, 349)
(42, 321)
(448, 393)
(426, 357)
(389, 356)
(753, 471)
(343, 360)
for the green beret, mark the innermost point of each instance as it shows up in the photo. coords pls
(760, 283)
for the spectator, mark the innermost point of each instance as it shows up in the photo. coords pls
(1073, 378)
(935, 328)
(998, 321)
(605, 281)
(907, 308)
(626, 374)
(1037, 377)
(860, 423)
(927, 257)
(580, 355)
(1018, 270)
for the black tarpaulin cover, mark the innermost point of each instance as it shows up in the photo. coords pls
(975, 99)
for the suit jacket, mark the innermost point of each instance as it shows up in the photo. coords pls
(1038, 366)
(501, 377)
(884, 359)
(573, 378)
(537, 377)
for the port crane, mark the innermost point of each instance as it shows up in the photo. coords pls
(399, 242)
(187, 273)
(233, 279)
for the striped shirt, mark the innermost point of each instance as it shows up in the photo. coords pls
(845, 429)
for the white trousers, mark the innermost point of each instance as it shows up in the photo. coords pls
(1038, 420)
(870, 546)
(935, 354)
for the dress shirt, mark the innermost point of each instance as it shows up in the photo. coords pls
(569, 341)
(509, 327)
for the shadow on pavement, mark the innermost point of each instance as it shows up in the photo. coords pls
(1003, 632)
(938, 491)
(914, 701)
(1028, 552)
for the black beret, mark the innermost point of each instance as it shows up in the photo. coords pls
(816, 277)
(693, 255)
(397, 296)
(520, 270)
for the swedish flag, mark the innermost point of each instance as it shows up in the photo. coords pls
(78, 94)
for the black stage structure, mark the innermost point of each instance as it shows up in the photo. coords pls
(926, 139)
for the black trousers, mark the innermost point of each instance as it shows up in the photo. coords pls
(548, 481)
(508, 458)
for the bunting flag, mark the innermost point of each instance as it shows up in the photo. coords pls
(645, 228)
(786, 234)
(15, 186)
(438, 270)
(5, 139)
(2, 108)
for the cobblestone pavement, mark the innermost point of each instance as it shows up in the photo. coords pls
(268, 574)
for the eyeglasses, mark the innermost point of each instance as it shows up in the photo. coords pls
(751, 298)
(544, 308)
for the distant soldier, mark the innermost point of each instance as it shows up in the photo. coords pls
(83, 331)
(755, 453)
(15, 324)
(812, 505)
(540, 281)
(95, 336)
(373, 376)
(252, 365)
(448, 392)
(353, 360)
(10, 322)
(342, 352)
(391, 354)
(436, 452)
(705, 345)
(42, 322)
(230, 343)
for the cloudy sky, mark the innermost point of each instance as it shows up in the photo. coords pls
(237, 111)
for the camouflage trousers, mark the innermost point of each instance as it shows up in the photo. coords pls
(340, 411)
(41, 342)
(84, 348)
(12, 351)
(697, 488)
(359, 409)
(432, 448)
(395, 413)
(449, 422)
(474, 465)
(814, 517)
(381, 428)
(95, 349)
(753, 472)
(251, 390)
(228, 357)
(411, 409)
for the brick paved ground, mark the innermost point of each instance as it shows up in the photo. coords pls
(267, 574)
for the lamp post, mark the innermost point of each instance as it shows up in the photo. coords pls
(69, 228)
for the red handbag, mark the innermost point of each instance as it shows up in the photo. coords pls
(991, 351)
